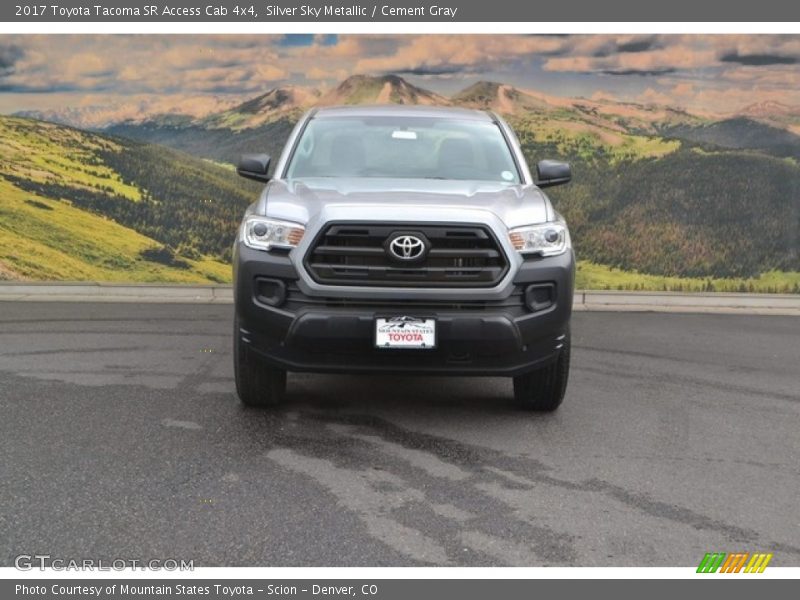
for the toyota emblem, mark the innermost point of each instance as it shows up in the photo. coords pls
(407, 247)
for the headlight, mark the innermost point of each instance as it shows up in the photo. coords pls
(262, 233)
(547, 239)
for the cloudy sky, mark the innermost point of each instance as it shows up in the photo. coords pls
(705, 73)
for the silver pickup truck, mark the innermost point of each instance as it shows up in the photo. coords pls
(403, 239)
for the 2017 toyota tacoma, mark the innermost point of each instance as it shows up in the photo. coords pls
(403, 239)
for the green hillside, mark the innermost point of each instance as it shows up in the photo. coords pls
(740, 133)
(216, 143)
(591, 276)
(81, 206)
(46, 239)
(564, 135)
(688, 213)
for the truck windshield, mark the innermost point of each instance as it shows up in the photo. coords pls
(403, 147)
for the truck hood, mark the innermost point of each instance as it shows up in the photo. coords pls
(321, 199)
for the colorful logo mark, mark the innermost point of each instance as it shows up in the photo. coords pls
(734, 562)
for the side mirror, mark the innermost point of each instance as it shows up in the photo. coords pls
(552, 172)
(254, 166)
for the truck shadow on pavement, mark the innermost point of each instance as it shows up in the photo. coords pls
(465, 395)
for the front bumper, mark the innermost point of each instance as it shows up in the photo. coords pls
(493, 336)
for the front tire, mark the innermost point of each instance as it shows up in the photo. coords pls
(543, 390)
(257, 383)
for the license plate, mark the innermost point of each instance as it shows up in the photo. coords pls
(405, 332)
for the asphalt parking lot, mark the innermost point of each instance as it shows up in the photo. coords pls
(121, 437)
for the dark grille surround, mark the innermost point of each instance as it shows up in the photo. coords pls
(514, 304)
(457, 256)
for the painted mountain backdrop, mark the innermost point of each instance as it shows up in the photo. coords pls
(661, 198)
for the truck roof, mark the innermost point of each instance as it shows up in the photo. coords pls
(399, 110)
